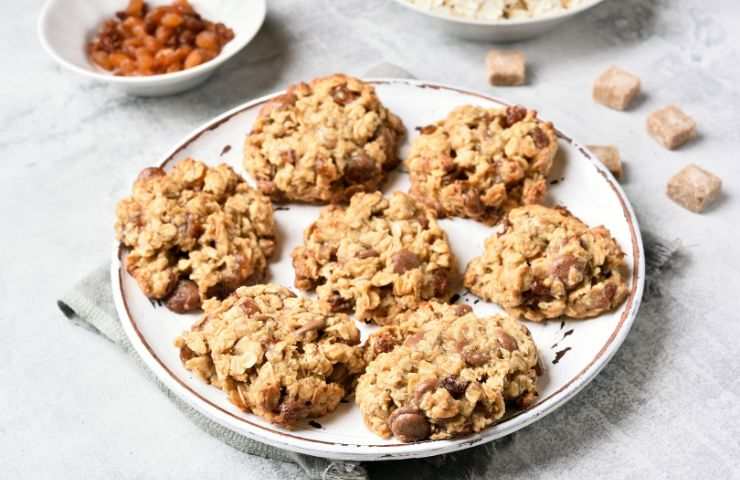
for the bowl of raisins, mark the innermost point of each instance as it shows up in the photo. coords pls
(148, 47)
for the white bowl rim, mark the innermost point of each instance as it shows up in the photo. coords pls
(502, 22)
(142, 79)
(378, 452)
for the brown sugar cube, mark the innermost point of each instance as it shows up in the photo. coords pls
(609, 156)
(671, 127)
(616, 88)
(506, 67)
(694, 188)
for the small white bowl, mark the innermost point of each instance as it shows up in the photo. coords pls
(66, 26)
(502, 31)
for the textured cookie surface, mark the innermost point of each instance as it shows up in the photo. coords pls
(453, 374)
(479, 163)
(195, 223)
(274, 354)
(547, 263)
(323, 141)
(377, 257)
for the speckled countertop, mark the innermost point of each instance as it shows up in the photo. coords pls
(667, 406)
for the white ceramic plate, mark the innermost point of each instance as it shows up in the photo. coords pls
(572, 352)
(495, 30)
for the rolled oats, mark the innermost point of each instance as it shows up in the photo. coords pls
(496, 9)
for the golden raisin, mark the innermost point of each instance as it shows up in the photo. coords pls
(172, 20)
(193, 59)
(207, 40)
(135, 8)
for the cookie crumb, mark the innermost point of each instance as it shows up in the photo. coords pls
(671, 127)
(506, 67)
(694, 188)
(609, 156)
(616, 88)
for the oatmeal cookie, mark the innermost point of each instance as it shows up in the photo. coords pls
(194, 232)
(454, 374)
(547, 263)
(377, 257)
(479, 163)
(274, 354)
(323, 141)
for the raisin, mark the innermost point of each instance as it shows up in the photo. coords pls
(150, 172)
(337, 303)
(541, 140)
(342, 95)
(514, 114)
(290, 412)
(455, 386)
(440, 282)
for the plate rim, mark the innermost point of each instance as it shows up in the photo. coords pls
(343, 451)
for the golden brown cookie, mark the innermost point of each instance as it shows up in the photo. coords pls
(453, 374)
(547, 263)
(323, 141)
(194, 232)
(378, 257)
(274, 354)
(479, 163)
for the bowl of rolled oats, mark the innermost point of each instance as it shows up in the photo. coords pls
(496, 20)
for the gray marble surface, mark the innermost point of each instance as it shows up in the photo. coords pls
(667, 406)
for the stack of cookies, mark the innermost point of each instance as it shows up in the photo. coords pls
(199, 237)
